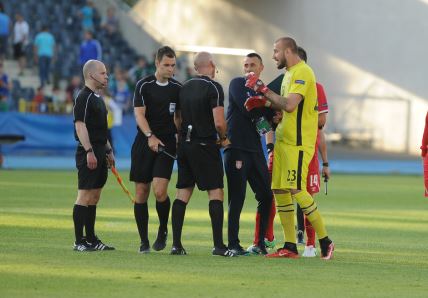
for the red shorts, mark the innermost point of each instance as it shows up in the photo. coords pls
(313, 180)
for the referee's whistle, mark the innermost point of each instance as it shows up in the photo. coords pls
(189, 131)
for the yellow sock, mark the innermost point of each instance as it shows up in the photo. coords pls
(309, 207)
(285, 209)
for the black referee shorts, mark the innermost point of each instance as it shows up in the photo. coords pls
(199, 163)
(146, 164)
(91, 179)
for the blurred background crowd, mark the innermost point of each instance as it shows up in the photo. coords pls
(43, 46)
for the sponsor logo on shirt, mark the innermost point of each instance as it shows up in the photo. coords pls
(299, 82)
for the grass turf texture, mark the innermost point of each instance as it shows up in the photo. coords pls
(379, 225)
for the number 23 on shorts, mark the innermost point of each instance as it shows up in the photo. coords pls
(291, 175)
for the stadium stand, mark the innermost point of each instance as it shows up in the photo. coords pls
(62, 17)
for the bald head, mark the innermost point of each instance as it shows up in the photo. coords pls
(204, 64)
(91, 67)
(95, 74)
(287, 43)
(202, 59)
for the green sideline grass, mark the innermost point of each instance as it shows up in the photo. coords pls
(379, 225)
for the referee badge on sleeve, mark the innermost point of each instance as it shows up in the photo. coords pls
(172, 108)
(238, 164)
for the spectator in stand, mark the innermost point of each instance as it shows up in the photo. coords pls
(20, 41)
(122, 93)
(189, 73)
(112, 78)
(86, 13)
(44, 53)
(71, 93)
(138, 71)
(90, 49)
(110, 22)
(151, 65)
(5, 88)
(111, 107)
(5, 27)
(57, 100)
(39, 101)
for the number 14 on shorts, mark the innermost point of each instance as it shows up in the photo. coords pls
(314, 180)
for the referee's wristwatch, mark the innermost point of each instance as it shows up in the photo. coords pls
(89, 150)
(148, 134)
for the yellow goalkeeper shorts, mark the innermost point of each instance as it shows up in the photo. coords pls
(290, 166)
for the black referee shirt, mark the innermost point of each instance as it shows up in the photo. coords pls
(161, 101)
(198, 97)
(90, 108)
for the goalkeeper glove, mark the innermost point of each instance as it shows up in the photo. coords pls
(253, 82)
(257, 101)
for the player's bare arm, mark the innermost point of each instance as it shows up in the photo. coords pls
(322, 119)
(322, 147)
(177, 120)
(288, 104)
(269, 98)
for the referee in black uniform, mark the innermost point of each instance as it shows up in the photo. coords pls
(203, 128)
(156, 110)
(90, 120)
(244, 158)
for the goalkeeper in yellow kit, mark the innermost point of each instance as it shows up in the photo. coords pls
(295, 143)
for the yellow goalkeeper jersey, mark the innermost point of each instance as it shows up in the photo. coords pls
(299, 128)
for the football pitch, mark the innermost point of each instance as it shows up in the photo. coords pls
(378, 223)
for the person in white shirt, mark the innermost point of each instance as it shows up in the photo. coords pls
(20, 41)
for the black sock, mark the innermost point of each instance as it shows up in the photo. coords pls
(177, 219)
(141, 214)
(90, 222)
(80, 213)
(263, 208)
(217, 214)
(163, 213)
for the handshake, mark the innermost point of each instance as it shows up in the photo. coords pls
(257, 101)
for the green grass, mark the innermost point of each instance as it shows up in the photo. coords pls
(379, 225)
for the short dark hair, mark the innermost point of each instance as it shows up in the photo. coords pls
(302, 54)
(252, 55)
(165, 51)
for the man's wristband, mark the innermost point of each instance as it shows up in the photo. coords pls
(89, 150)
(325, 164)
